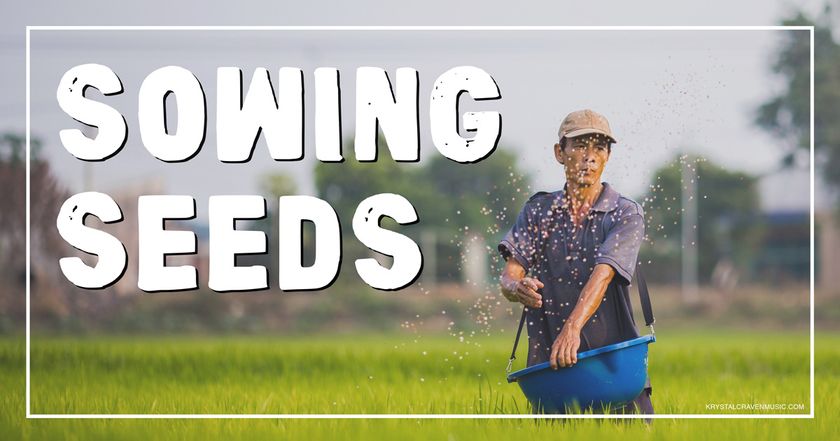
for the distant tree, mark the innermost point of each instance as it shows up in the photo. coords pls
(451, 199)
(344, 185)
(47, 195)
(273, 186)
(486, 196)
(13, 148)
(347, 183)
(727, 208)
(787, 115)
(278, 184)
(480, 199)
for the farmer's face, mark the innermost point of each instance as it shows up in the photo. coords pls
(584, 158)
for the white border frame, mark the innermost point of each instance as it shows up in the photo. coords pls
(29, 29)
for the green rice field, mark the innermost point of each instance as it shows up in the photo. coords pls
(395, 374)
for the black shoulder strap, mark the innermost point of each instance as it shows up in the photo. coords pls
(516, 340)
(644, 297)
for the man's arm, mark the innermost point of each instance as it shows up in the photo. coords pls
(565, 347)
(518, 288)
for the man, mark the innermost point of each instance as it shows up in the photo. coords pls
(578, 247)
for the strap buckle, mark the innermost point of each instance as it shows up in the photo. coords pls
(510, 365)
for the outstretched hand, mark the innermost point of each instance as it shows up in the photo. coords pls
(525, 291)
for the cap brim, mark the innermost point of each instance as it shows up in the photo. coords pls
(580, 132)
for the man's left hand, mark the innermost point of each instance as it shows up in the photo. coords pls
(565, 347)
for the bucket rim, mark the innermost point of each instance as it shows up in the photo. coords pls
(650, 338)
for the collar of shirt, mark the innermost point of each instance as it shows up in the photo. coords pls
(607, 200)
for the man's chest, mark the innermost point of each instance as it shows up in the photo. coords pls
(571, 246)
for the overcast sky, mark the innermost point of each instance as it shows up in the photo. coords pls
(663, 91)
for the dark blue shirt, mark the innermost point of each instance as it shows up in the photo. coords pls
(545, 241)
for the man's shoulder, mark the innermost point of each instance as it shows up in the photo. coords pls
(627, 206)
(539, 206)
(537, 196)
(615, 203)
(546, 196)
(543, 200)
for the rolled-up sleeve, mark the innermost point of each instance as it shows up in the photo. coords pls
(521, 241)
(620, 248)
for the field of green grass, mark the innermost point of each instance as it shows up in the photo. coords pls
(396, 373)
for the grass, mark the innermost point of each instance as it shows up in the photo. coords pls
(398, 373)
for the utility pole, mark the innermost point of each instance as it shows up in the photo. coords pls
(429, 240)
(689, 230)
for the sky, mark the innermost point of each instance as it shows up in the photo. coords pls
(664, 92)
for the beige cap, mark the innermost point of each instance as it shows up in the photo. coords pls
(583, 122)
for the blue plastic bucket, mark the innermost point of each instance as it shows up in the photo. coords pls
(606, 377)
